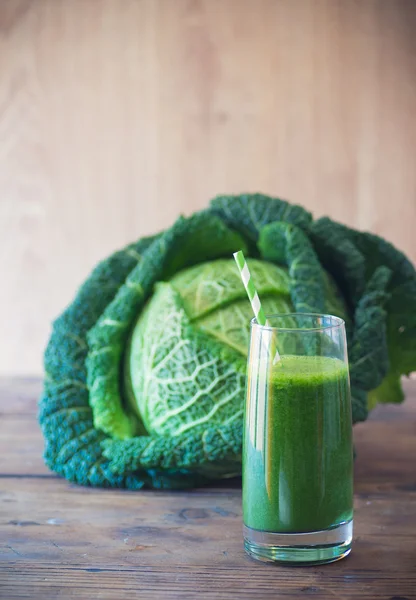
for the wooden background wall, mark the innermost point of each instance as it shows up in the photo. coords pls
(117, 115)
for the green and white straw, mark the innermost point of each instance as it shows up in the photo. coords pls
(252, 294)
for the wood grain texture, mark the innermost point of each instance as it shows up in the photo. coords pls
(61, 541)
(117, 116)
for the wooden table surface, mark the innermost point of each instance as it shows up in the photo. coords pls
(58, 540)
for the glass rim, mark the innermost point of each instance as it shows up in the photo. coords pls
(337, 322)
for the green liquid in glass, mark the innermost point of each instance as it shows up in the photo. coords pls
(297, 456)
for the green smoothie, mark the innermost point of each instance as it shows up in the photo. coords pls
(297, 456)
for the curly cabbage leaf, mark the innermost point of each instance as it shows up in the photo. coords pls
(353, 258)
(249, 213)
(287, 244)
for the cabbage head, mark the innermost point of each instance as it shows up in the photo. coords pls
(145, 370)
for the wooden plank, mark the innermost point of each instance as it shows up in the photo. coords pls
(58, 540)
(386, 446)
(21, 446)
(147, 109)
(20, 436)
(169, 545)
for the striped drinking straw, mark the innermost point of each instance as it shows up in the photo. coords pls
(252, 294)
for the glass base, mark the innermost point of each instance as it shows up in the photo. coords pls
(312, 548)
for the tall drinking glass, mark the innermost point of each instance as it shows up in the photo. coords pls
(297, 453)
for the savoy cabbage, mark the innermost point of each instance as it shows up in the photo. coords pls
(145, 370)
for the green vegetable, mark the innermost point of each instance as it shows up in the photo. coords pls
(145, 370)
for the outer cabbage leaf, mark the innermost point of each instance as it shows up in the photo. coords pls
(352, 258)
(368, 352)
(340, 256)
(72, 444)
(248, 213)
(288, 245)
(199, 451)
